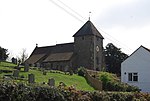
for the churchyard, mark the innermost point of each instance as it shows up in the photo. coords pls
(34, 84)
(40, 76)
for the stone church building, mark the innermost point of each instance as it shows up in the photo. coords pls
(85, 51)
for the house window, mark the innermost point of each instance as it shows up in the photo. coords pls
(132, 76)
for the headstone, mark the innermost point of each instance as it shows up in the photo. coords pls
(44, 72)
(17, 67)
(26, 67)
(70, 72)
(16, 73)
(51, 82)
(66, 68)
(6, 78)
(31, 78)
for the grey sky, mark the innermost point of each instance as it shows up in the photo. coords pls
(23, 23)
(135, 14)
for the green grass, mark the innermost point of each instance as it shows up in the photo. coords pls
(76, 80)
(79, 81)
(7, 64)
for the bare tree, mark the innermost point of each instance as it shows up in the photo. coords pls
(23, 56)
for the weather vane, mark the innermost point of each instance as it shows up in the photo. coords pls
(89, 15)
(36, 45)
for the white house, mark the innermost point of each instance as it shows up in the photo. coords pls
(135, 70)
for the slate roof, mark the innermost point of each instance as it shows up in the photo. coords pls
(35, 58)
(59, 57)
(88, 29)
(48, 53)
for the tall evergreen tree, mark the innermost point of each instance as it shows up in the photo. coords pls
(3, 54)
(113, 58)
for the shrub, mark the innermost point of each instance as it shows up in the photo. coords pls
(10, 91)
(70, 72)
(111, 83)
(81, 71)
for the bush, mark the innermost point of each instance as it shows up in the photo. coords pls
(111, 83)
(81, 71)
(10, 91)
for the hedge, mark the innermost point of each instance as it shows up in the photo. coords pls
(10, 91)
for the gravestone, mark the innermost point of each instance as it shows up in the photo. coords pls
(31, 78)
(16, 73)
(26, 67)
(51, 82)
(44, 72)
(6, 78)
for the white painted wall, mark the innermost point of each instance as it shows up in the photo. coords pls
(138, 62)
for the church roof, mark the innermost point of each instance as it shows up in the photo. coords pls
(88, 29)
(34, 58)
(59, 57)
(41, 53)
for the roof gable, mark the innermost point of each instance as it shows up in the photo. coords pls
(88, 29)
(35, 58)
(141, 47)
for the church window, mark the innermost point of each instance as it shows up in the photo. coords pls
(61, 67)
(82, 37)
(57, 67)
(97, 60)
(51, 65)
(97, 38)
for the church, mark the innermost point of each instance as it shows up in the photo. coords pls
(86, 51)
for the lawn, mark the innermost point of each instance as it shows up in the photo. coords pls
(79, 81)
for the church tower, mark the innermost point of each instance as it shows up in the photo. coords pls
(88, 47)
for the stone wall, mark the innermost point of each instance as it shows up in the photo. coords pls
(89, 52)
(95, 83)
(62, 65)
(84, 47)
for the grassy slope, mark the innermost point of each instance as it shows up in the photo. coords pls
(6, 66)
(79, 81)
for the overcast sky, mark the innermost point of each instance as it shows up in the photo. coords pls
(23, 23)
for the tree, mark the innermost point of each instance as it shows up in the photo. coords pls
(3, 54)
(14, 60)
(23, 56)
(113, 58)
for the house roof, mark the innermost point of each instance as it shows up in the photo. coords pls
(88, 29)
(145, 48)
(137, 50)
(59, 57)
(41, 53)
